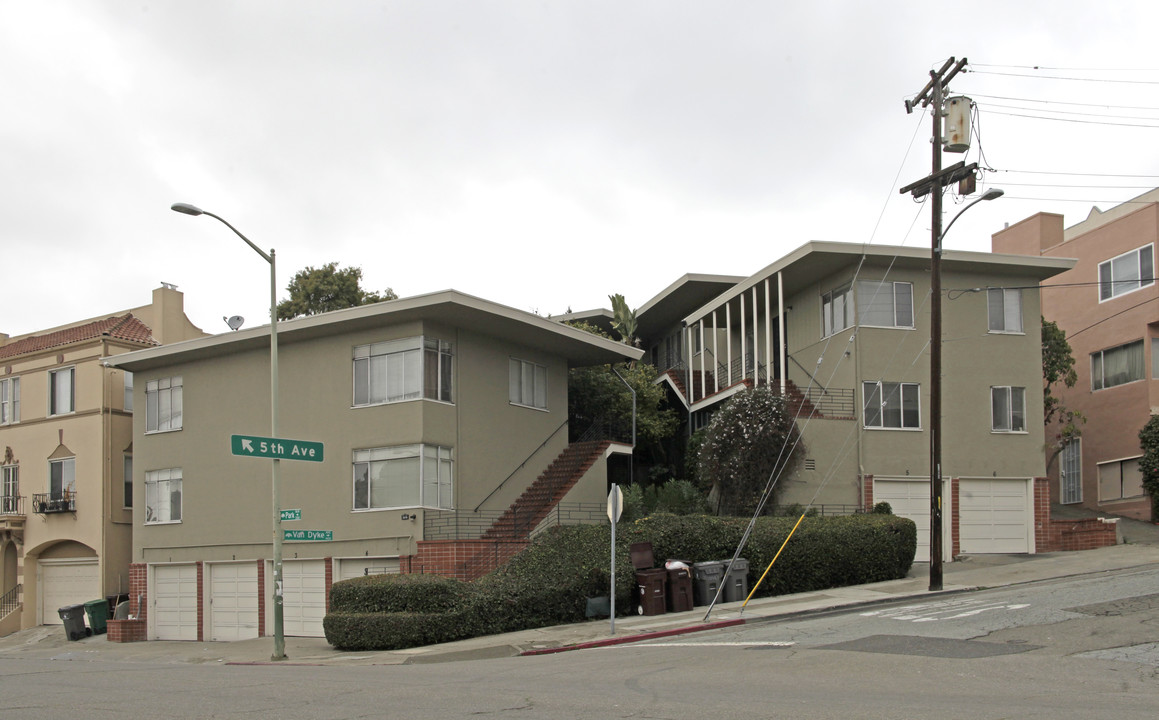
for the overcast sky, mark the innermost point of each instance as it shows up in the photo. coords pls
(538, 154)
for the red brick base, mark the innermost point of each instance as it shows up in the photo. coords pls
(126, 631)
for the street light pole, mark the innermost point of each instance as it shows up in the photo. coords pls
(271, 258)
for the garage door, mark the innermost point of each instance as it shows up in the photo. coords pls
(233, 601)
(357, 567)
(174, 612)
(911, 499)
(304, 597)
(67, 582)
(994, 516)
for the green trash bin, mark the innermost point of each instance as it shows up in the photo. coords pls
(98, 612)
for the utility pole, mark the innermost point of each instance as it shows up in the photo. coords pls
(934, 185)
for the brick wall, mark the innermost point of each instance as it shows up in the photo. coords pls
(867, 493)
(261, 598)
(135, 630)
(1066, 535)
(461, 559)
(955, 520)
(125, 631)
(200, 599)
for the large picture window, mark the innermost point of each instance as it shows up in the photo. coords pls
(527, 384)
(61, 391)
(1127, 273)
(1004, 308)
(885, 304)
(1008, 409)
(404, 476)
(1117, 366)
(891, 405)
(163, 404)
(163, 496)
(406, 369)
(836, 311)
(9, 401)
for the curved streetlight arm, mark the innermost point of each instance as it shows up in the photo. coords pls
(991, 194)
(187, 209)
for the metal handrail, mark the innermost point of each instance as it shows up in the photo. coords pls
(520, 466)
(49, 503)
(11, 505)
(812, 379)
(11, 600)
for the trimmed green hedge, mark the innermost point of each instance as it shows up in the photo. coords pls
(550, 581)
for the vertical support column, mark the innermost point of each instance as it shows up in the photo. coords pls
(728, 340)
(700, 334)
(769, 335)
(744, 360)
(715, 355)
(781, 331)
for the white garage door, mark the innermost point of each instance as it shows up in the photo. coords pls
(994, 516)
(67, 582)
(233, 601)
(911, 499)
(357, 567)
(303, 597)
(174, 612)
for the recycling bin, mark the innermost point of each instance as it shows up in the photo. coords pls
(98, 613)
(736, 580)
(74, 621)
(680, 589)
(706, 577)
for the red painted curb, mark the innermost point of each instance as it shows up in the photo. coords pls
(607, 642)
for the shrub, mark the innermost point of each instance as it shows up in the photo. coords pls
(883, 508)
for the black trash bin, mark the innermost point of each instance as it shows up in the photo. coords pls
(98, 613)
(74, 621)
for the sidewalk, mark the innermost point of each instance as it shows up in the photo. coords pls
(969, 573)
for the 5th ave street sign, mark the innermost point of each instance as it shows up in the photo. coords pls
(276, 448)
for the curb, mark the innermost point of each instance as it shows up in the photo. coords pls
(638, 637)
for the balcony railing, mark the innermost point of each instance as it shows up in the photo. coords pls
(50, 503)
(11, 600)
(11, 505)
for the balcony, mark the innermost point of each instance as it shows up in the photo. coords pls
(52, 503)
(12, 516)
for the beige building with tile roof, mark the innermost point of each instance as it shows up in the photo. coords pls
(66, 458)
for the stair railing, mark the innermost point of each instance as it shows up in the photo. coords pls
(520, 466)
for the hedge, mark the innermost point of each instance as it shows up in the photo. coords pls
(550, 581)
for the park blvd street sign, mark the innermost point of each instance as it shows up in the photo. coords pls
(292, 514)
(315, 535)
(277, 448)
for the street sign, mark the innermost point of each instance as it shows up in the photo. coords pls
(308, 535)
(276, 448)
(615, 503)
(291, 515)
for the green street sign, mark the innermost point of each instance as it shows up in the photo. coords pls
(291, 514)
(276, 448)
(308, 535)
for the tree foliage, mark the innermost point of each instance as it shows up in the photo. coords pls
(748, 441)
(1063, 424)
(596, 394)
(623, 320)
(1149, 463)
(322, 289)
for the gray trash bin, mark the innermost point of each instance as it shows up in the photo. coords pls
(74, 621)
(736, 581)
(706, 577)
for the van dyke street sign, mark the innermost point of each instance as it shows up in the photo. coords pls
(315, 535)
(277, 448)
(291, 515)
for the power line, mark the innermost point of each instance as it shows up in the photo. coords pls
(1078, 174)
(1063, 102)
(1069, 120)
(1065, 69)
(1067, 112)
(1073, 79)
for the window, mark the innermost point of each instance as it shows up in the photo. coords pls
(403, 477)
(891, 405)
(61, 391)
(1126, 273)
(885, 304)
(438, 365)
(836, 311)
(128, 477)
(1120, 479)
(9, 489)
(406, 369)
(163, 496)
(9, 401)
(1008, 409)
(62, 478)
(528, 384)
(1005, 310)
(128, 391)
(1154, 359)
(163, 405)
(1117, 366)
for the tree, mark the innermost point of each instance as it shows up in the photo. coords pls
(623, 320)
(1149, 463)
(1062, 424)
(318, 290)
(748, 441)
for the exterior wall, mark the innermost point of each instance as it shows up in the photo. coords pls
(1114, 415)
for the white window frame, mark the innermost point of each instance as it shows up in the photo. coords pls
(1007, 409)
(1099, 365)
(167, 481)
(527, 384)
(9, 489)
(891, 399)
(1004, 311)
(128, 401)
(401, 370)
(54, 391)
(433, 477)
(164, 405)
(872, 295)
(837, 301)
(1135, 273)
(66, 479)
(9, 401)
(1115, 467)
(438, 370)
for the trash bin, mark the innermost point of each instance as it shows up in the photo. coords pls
(679, 589)
(651, 583)
(98, 612)
(706, 577)
(74, 621)
(736, 581)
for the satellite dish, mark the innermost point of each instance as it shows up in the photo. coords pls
(234, 321)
